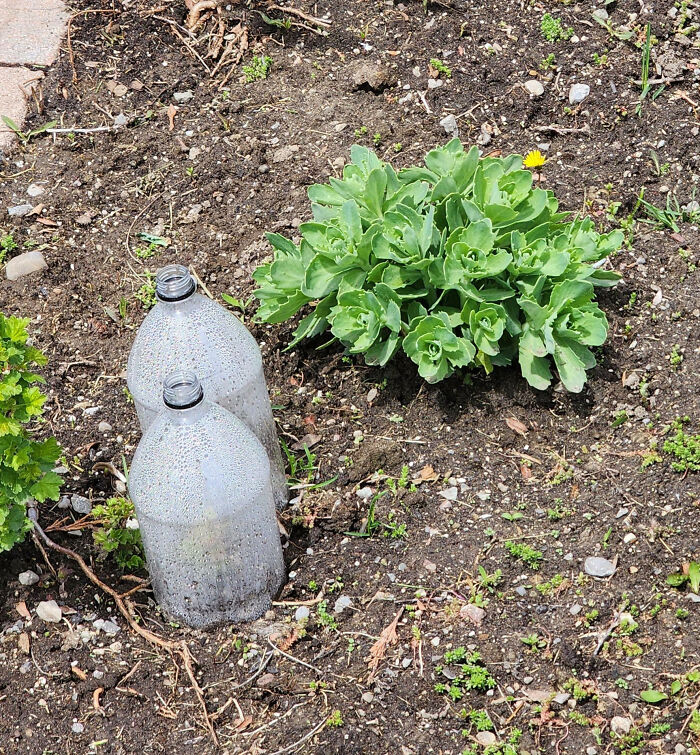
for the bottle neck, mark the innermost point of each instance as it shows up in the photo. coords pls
(174, 284)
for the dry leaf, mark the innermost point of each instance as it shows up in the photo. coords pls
(427, 474)
(48, 222)
(387, 638)
(287, 642)
(23, 643)
(525, 471)
(243, 723)
(22, 610)
(171, 116)
(516, 426)
(117, 89)
(308, 441)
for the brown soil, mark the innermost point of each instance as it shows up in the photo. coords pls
(571, 486)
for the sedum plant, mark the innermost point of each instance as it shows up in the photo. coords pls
(26, 464)
(460, 263)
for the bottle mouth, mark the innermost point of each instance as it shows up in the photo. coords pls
(174, 283)
(182, 390)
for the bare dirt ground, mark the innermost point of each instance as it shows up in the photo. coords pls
(211, 162)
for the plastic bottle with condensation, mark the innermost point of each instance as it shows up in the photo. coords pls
(188, 331)
(200, 483)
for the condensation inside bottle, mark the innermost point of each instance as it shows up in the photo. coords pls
(201, 489)
(188, 331)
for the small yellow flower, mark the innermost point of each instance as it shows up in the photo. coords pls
(534, 159)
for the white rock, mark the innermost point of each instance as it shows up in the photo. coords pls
(534, 87)
(486, 738)
(435, 83)
(449, 494)
(49, 610)
(620, 725)
(108, 627)
(34, 190)
(364, 493)
(20, 210)
(28, 578)
(25, 264)
(578, 93)
(449, 123)
(302, 613)
(77, 728)
(630, 537)
(600, 13)
(104, 427)
(598, 567)
(182, 96)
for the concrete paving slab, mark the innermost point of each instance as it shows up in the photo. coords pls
(31, 31)
(15, 82)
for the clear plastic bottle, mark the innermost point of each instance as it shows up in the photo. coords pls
(200, 484)
(188, 331)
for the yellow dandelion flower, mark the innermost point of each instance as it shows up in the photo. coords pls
(534, 159)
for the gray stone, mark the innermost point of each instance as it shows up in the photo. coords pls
(34, 190)
(284, 153)
(104, 427)
(561, 698)
(522, 591)
(302, 613)
(19, 210)
(183, 96)
(77, 728)
(534, 87)
(64, 503)
(449, 123)
(600, 13)
(25, 264)
(80, 504)
(28, 578)
(578, 93)
(486, 738)
(367, 697)
(575, 610)
(108, 626)
(596, 566)
(49, 611)
(342, 603)
(435, 83)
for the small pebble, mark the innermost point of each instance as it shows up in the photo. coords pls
(575, 609)
(630, 537)
(596, 566)
(77, 728)
(486, 738)
(28, 578)
(534, 87)
(104, 427)
(25, 264)
(578, 93)
(19, 210)
(302, 613)
(343, 602)
(183, 96)
(49, 611)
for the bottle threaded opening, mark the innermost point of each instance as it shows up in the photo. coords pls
(174, 283)
(182, 390)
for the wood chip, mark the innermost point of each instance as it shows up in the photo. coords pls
(77, 671)
(23, 643)
(22, 610)
(171, 111)
(96, 698)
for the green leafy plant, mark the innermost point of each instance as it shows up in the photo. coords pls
(690, 576)
(548, 62)
(7, 244)
(258, 68)
(525, 553)
(26, 136)
(441, 67)
(470, 673)
(26, 464)
(685, 449)
(146, 293)
(462, 263)
(552, 30)
(117, 534)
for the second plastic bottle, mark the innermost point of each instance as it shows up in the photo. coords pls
(200, 483)
(187, 331)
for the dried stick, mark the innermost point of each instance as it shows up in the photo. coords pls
(125, 608)
(300, 13)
